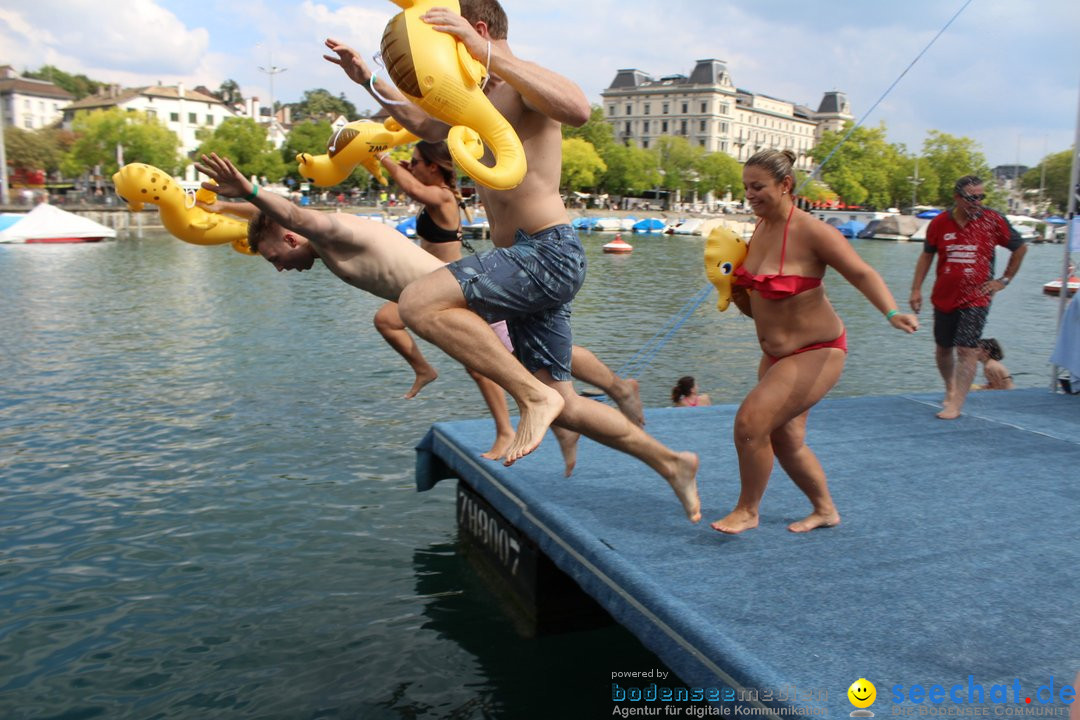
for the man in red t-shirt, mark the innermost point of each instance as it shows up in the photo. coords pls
(964, 241)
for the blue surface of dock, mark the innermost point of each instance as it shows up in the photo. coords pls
(955, 564)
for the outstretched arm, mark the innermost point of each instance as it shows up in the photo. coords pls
(418, 191)
(411, 117)
(312, 224)
(243, 210)
(543, 90)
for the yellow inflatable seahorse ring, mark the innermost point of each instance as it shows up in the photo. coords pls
(138, 183)
(724, 251)
(358, 143)
(437, 73)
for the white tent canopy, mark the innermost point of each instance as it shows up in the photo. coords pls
(48, 222)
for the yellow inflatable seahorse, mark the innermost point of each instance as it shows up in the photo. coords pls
(437, 73)
(139, 183)
(724, 251)
(358, 143)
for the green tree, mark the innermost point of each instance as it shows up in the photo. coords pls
(32, 149)
(306, 137)
(949, 158)
(581, 165)
(319, 104)
(630, 170)
(1056, 184)
(229, 92)
(720, 174)
(678, 161)
(143, 139)
(78, 85)
(246, 144)
(864, 169)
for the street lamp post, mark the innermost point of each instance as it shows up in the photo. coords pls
(271, 70)
(915, 186)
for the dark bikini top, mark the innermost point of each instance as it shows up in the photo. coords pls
(428, 230)
(777, 286)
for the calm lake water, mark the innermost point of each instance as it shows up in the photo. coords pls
(206, 481)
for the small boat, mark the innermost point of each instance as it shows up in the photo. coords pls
(618, 246)
(49, 224)
(1054, 286)
(649, 225)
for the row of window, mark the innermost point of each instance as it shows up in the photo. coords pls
(725, 108)
(683, 126)
(192, 118)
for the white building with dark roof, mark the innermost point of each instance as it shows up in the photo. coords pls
(30, 104)
(709, 111)
(182, 111)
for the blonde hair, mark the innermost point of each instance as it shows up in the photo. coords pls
(778, 163)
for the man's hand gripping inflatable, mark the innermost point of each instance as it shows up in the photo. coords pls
(358, 143)
(436, 72)
(724, 251)
(138, 183)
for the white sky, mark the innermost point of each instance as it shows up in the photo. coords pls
(1006, 73)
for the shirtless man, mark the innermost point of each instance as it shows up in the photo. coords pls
(530, 228)
(373, 257)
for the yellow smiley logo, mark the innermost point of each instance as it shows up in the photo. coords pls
(862, 693)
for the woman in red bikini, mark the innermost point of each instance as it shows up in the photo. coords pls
(803, 341)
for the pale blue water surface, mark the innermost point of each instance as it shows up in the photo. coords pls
(206, 481)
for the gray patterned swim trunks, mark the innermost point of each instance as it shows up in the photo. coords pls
(530, 285)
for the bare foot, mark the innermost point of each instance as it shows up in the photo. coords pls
(627, 396)
(814, 521)
(498, 448)
(684, 482)
(736, 521)
(536, 417)
(422, 379)
(949, 412)
(568, 442)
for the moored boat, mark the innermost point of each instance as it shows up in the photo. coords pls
(49, 224)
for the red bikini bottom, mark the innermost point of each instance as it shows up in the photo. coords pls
(840, 342)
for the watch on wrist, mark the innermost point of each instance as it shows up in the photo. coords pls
(1004, 280)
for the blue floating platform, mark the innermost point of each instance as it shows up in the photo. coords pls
(955, 564)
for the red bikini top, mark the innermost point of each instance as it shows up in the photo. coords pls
(777, 286)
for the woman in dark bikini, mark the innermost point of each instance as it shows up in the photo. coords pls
(802, 339)
(430, 180)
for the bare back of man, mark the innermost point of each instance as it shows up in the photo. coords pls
(372, 256)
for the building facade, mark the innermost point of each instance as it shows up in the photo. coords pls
(184, 112)
(709, 111)
(30, 104)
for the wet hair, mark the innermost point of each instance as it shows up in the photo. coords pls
(992, 348)
(258, 226)
(490, 12)
(778, 163)
(965, 182)
(682, 388)
(438, 153)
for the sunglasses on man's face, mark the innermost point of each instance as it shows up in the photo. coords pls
(973, 198)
